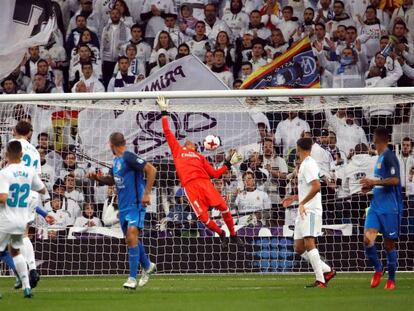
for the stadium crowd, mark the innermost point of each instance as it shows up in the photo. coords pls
(104, 45)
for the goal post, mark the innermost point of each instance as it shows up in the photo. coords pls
(71, 132)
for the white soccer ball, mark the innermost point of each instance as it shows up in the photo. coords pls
(211, 142)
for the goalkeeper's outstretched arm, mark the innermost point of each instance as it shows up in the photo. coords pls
(169, 136)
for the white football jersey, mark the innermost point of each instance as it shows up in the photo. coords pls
(31, 156)
(308, 172)
(17, 180)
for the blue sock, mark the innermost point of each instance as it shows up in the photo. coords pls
(392, 264)
(143, 258)
(372, 255)
(133, 258)
(8, 260)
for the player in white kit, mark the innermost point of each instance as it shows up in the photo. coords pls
(308, 223)
(31, 158)
(16, 182)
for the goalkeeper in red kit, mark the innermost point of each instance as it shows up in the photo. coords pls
(195, 173)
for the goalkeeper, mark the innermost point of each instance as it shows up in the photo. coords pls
(194, 172)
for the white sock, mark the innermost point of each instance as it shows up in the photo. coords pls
(21, 268)
(28, 253)
(315, 262)
(325, 267)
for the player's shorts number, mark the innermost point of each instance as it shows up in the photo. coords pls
(19, 195)
(28, 161)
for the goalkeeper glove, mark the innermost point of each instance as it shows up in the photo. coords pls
(234, 159)
(163, 104)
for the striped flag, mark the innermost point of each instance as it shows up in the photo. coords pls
(25, 23)
(296, 68)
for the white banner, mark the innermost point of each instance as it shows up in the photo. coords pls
(25, 23)
(143, 129)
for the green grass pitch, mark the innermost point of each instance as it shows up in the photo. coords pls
(212, 292)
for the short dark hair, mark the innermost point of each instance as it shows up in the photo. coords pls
(321, 25)
(382, 134)
(201, 22)
(248, 173)
(305, 143)
(218, 51)
(247, 63)
(117, 139)
(406, 138)
(123, 57)
(80, 15)
(14, 148)
(88, 63)
(42, 134)
(352, 27)
(339, 2)
(288, 7)
(23, 128)
(141, 27)
(310, 9)
(361, 148)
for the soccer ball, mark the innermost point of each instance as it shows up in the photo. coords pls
(211, 142)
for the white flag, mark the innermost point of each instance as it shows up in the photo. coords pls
(195, 119)
(24, 23)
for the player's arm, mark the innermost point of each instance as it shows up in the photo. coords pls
(211, 171)
(138, 164)
(169, 136)
(107, 180)
(391, 166)
(38, 185)
(4, 189)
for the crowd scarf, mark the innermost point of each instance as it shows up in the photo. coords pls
(343, 62)
(124, 80)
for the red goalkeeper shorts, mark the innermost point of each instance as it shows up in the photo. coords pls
(202, 196)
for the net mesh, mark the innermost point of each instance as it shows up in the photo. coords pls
(72, 137)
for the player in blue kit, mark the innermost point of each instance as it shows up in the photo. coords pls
(128, 173)
(385, 211)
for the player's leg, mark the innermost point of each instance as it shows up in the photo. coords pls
(391, 225)
(28, 253)
(16, 242)
(8, 260)
(314, 260)
(133, 256)
(372, 226)
(147, 266)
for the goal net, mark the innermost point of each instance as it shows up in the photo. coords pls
(72, 138)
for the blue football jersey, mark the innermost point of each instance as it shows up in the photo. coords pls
(128, 173)
(387, 199)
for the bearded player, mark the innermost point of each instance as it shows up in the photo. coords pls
(195, 173)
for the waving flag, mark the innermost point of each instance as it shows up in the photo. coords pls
(296, 68)
(25, 23)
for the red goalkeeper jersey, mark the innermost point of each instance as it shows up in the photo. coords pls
(189, 164)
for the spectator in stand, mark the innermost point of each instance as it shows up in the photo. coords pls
(351, 41)
(223, 43)
(75, 36)
(382, 15)
(71, 192)
(110, 213)
(86, 10)
(371, 31)
(325, 13)
(209, 59)
(406, 159)
(88, 38)
(143, 48)
(53, 158)
(48, 171)
(254, 164)
(253, 205)
(277, 168)
(404, 47)
(41, 85)
(9, 86)
(177, 37)
(289, 131)
(43, 69)
(29, 68)
(237, 84)
(162, 60)
(341, 17)
(200, 43)
(348, 70)
(70, 165)
(340, 36)
(84, 55)
(307, 26)
(136, 67)
(277, 44)
(236, 18)
(186, 21)
(246, 70)
(164, 42)
(348, 133)
(114, 35)
(221, 70)
(404, 13)
(57, 208)
(88, 218)
(256, 28)
(183, 50)
(259, 55)
(88, 81)
(213, 24)
(153, 15)
(123, 77)
(320, 38)
(287, 23)
(123, 9)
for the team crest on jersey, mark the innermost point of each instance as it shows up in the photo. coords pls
(392, 171)
(379, 166)
(118, 166)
